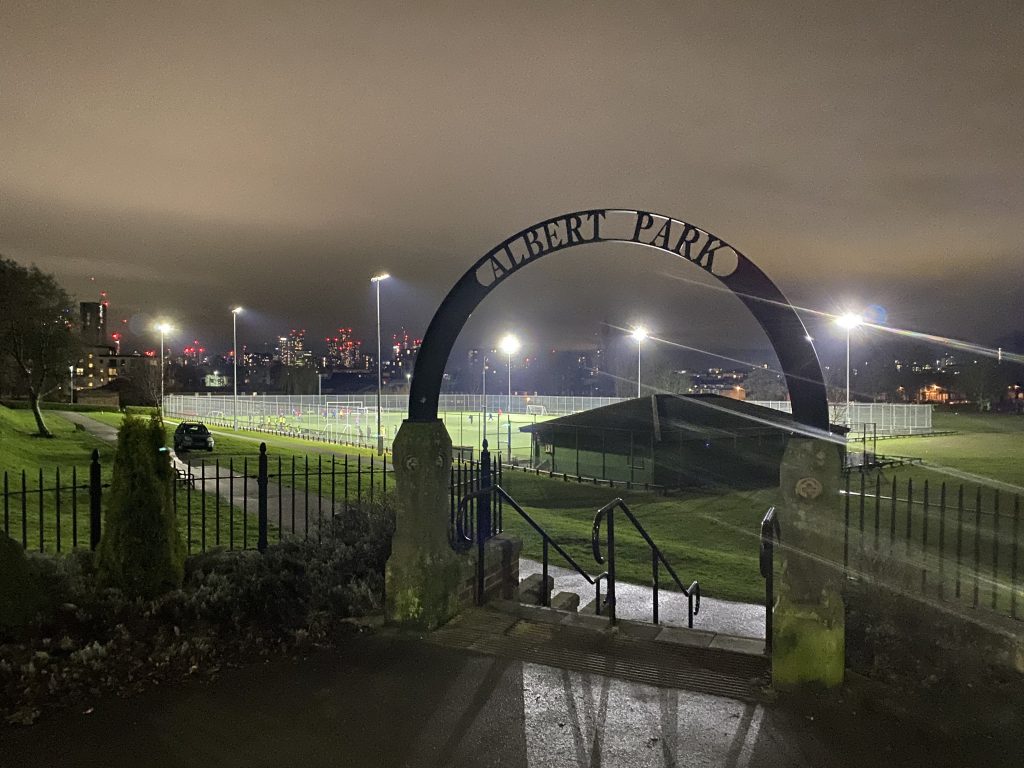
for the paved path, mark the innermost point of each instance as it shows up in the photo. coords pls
(387, 700)
(232, 487)
(635, 603)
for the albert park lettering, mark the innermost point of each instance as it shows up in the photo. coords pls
(606, 225)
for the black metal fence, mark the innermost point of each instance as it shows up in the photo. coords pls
(470, 475)
(952, 542)
(235, 503)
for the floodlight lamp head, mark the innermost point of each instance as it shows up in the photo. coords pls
(164, 327)
(639, 333)
(236, 311)
(380, 278)
(509, 344)
(849, 321)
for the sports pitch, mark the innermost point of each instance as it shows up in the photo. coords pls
(358, 425)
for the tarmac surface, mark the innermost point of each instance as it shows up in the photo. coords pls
(386, 699)
(635, 602)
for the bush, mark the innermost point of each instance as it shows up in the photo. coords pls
(20, 596)
(232, 606)
(141, 551)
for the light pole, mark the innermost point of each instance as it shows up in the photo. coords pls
(71, 370)
(509, 345)
(848, 321)
(377, 280)
(164, 329)
(483, 413)
(639, 333)
(234, 359)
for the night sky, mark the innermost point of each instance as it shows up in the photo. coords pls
(277, 154)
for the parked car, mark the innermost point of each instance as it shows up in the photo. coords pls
(192, 435)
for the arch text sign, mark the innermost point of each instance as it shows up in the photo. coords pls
(676, 237)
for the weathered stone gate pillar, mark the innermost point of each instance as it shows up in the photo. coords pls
(423, 576)
(809, 623)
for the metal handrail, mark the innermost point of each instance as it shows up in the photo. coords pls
(692, 592)
(465, 541)
(771, 533)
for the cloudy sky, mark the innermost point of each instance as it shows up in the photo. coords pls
(192, 156)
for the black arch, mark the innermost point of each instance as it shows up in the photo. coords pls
(766, 303)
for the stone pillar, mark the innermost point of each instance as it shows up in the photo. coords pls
(423, 576)
(809, 624)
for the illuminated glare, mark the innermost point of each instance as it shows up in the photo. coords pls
(380, 277)
(849, 321)
(640, 333)
(509, 344)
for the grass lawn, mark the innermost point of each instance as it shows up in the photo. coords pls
(984, 444)
(707, 536)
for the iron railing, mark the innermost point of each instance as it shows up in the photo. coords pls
(464, 540)
(771, 535)
(951, 542)
(657, 558)
(236, 503)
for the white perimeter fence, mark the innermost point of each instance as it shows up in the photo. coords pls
(352, 418)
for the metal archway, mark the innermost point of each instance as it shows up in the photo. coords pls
(766, 303)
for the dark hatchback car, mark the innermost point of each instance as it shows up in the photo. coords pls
(191, 435)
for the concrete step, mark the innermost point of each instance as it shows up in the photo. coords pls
(530, 589)
(663, 656)
(566, 601)
(590, 609)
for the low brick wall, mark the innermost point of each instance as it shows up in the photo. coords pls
(501, 570)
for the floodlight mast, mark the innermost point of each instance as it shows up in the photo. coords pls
(234, 359)
(509, 344)
(848, 321)
(377, 280)
(639, 333)
(164, 329)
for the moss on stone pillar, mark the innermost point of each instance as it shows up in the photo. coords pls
(809, 629)
(423, 576)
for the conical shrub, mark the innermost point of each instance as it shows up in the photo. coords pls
(141, 550)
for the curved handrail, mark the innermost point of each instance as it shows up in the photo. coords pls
(464, 539)
(692, 592)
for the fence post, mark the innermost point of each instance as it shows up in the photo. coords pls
(483, 528)
(95, 500)
(261, 482)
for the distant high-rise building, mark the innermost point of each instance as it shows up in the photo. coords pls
(404, 349)
(94, 323)
(343, 351)
(293, 350)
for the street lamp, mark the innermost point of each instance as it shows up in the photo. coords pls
(509, 344)
(377, 280)
(848, 321)
(639, 333)
(234, 359)
(483, 414)
(164, 329)
(71, 370)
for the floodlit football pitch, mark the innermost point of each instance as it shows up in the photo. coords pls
(358, 426)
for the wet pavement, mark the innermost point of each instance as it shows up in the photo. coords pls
(635, 603)
(392, 700)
